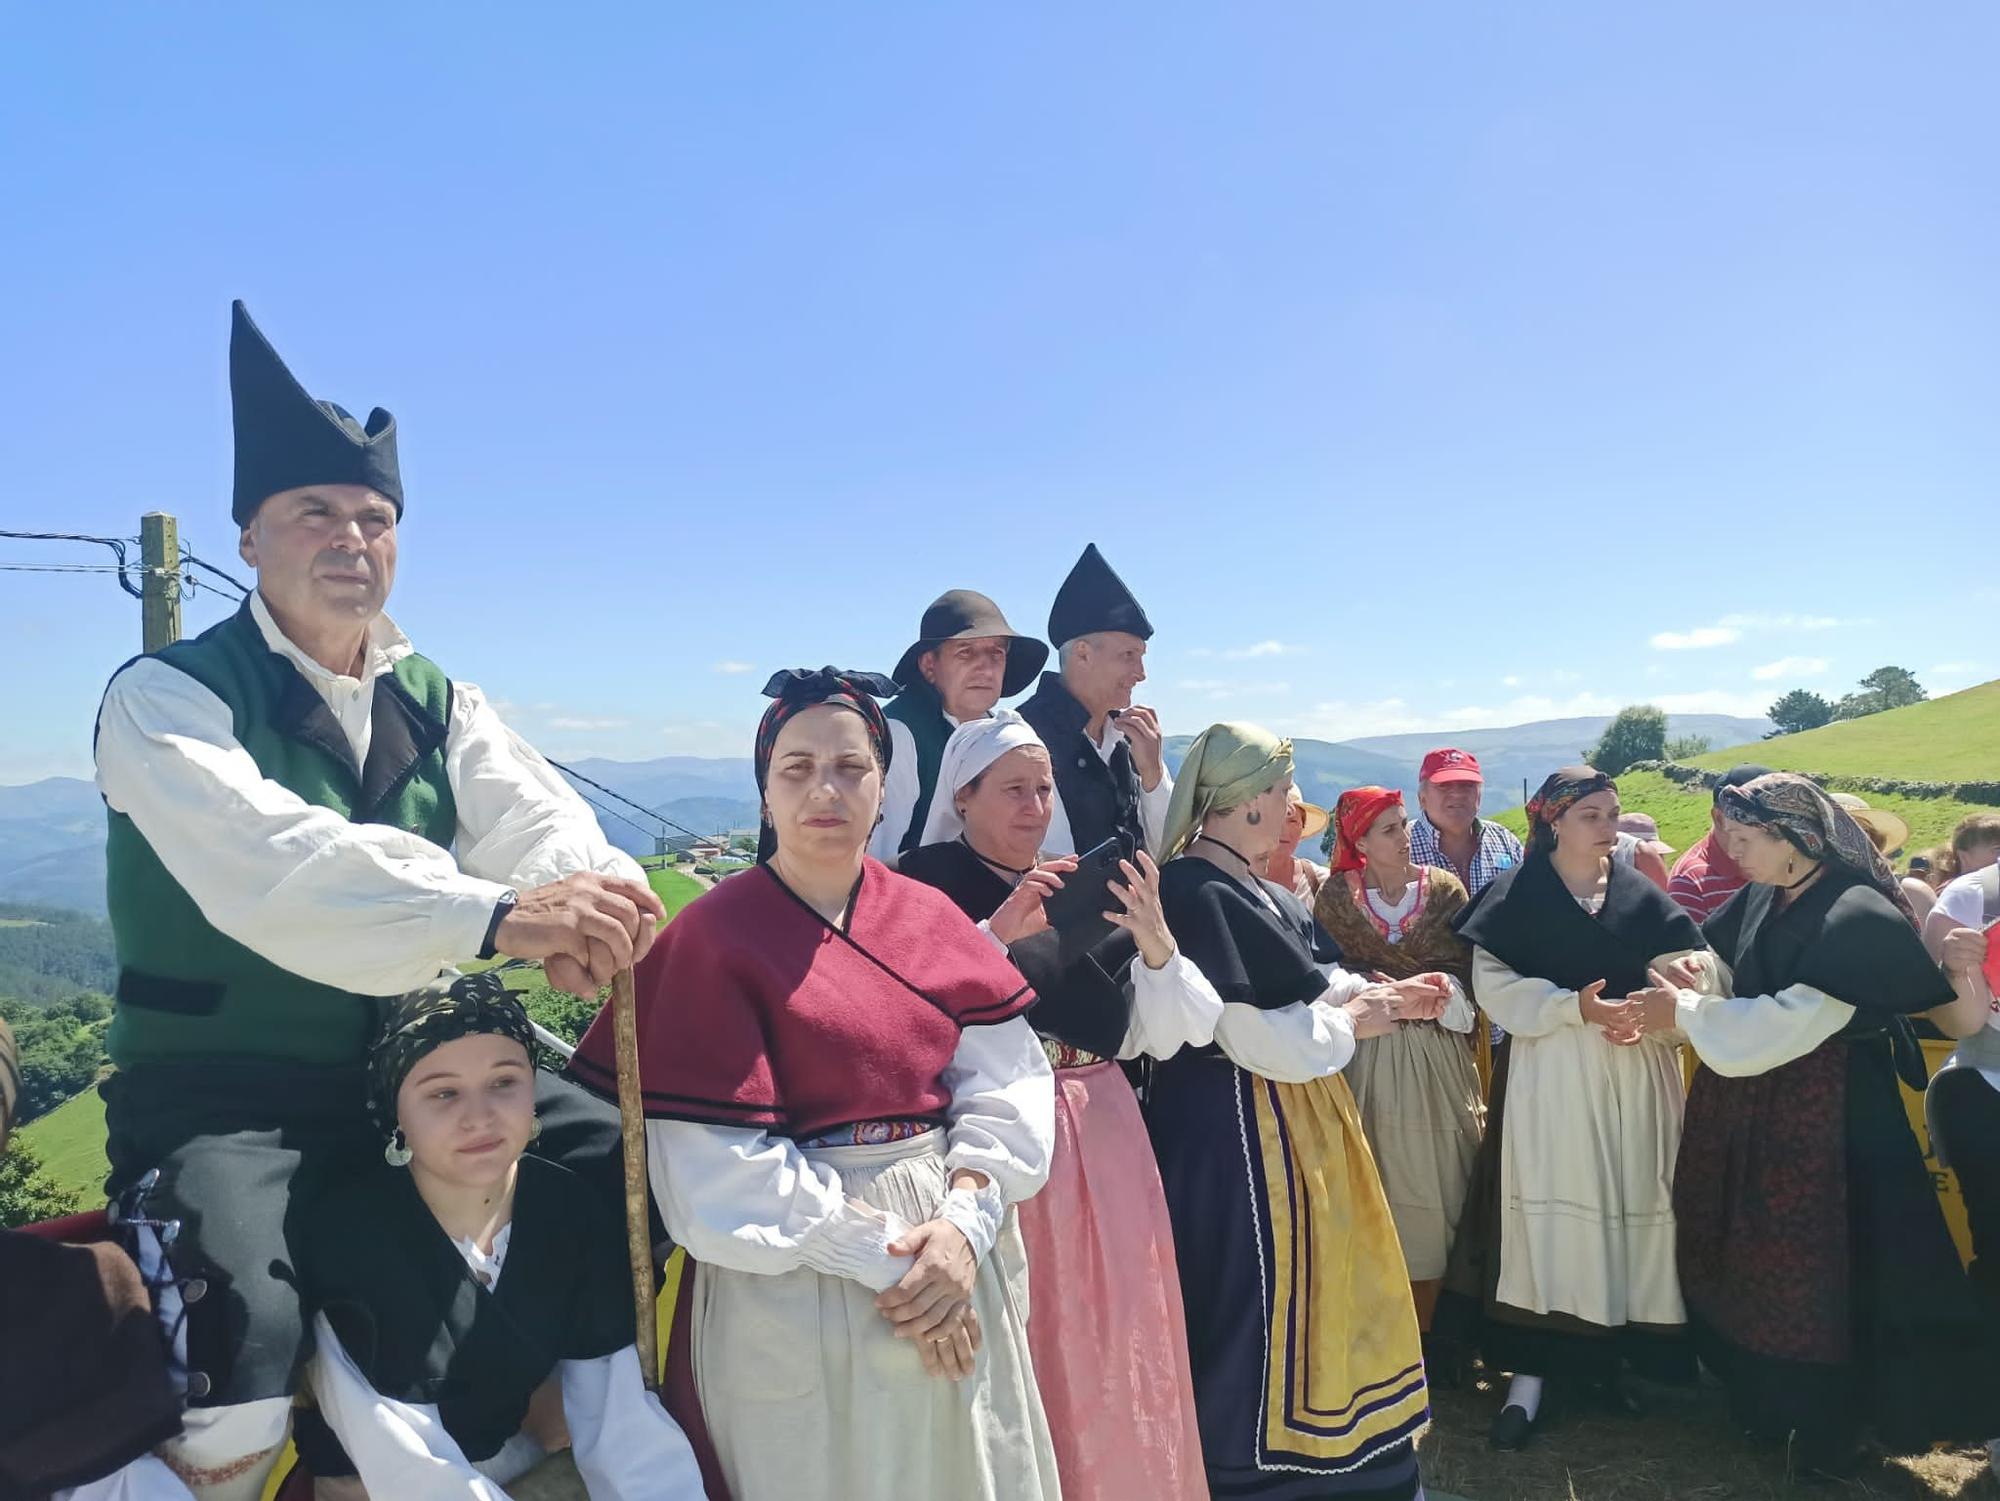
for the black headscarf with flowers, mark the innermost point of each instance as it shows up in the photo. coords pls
(450, 1007)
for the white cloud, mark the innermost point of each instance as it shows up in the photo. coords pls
(567, 722)
(1698, 639)
(1780, 622)
(1512, 680)
(1249, 653)
(1790, 667)
(735, 667)
(1341, 720)
(1952, 669)
(1731, 628)
(1218, 690)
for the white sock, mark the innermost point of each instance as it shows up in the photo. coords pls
(1525, 1392)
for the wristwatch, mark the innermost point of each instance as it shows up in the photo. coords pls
(500, 910)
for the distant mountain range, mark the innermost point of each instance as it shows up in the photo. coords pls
(52, 831)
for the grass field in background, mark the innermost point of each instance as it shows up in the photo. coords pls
(70, 1141)
(1950, 739)
(1682, 813)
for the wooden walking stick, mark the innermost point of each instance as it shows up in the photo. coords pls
(632, 1123)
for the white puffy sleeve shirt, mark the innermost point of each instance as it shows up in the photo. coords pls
(740, 1197)
(366, 907)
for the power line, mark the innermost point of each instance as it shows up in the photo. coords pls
(640, 807)
(116, 544)
(188, 558)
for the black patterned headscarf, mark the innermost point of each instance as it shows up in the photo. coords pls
(1799, 812)
(419, 1023)
(1559, 792)
(10, 1081)
(797, 689)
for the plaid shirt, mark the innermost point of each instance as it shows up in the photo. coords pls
(1498, 850)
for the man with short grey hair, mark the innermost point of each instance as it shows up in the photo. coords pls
(1107, 753)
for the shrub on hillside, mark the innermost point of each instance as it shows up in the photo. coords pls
(27, 1192)
(61, 1049)
(1797, 711)
(1637, 733)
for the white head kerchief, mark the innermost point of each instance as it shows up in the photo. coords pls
(974, 746)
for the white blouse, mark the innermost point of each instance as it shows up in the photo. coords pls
(366, 907)
(742, 1198)
(625, 1445)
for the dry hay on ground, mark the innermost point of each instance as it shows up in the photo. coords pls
(1685, 1449)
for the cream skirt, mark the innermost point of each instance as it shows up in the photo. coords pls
(809, 1396)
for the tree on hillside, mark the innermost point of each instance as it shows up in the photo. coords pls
(61, 1049)
(1801, 709)
(1687, 747)
(27, 1192)
(1884, 688)
(1637, 733)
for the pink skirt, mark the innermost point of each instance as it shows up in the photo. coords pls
(1105, 1326)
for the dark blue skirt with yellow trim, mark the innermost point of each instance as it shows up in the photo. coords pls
(1308, 1368)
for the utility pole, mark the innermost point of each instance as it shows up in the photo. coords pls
(160, 579)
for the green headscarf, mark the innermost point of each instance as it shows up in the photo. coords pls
(1228, 764)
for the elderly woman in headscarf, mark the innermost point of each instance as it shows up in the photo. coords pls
(845, 1102)
(1308, 1368)
(1107, 1331)
(459, 1274)
(1822, 1285)
(1564, 1264)
(1417, 1087)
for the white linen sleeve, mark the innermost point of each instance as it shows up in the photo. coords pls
(900, 789)
(741, 1198)
(1524, 1005)
(1459, 1012)
(519, 822)
(1153, 812)
(399, 1449)
(1003, 1120)
(625, 1445)
(1736, 1036)
(1293, 1044)
(365, 907)
(1173, 1007)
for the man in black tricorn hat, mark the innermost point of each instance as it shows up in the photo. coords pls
(1108, 754)
(966, 658)
(306, 816)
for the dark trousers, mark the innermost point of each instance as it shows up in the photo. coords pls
(1967, 1112)
(242, 1148)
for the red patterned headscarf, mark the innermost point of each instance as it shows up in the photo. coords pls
(1559, 792)
(1353, 816)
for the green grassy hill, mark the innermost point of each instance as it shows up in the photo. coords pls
(1951, 739)
(70, 1140)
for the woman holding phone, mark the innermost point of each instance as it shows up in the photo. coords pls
(1106, 1326)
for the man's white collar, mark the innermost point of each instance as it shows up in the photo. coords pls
(386, 646)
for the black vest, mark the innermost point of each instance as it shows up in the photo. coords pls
(1100, 798)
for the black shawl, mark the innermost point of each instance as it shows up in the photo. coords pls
(420, 1327)
(1841, 936)
(1081, 999)
(1528, 920)
(1250, 954)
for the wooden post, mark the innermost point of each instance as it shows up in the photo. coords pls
(160, 580)
(632, 1123)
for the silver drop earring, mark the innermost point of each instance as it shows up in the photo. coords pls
(534, 1127)
(397, 1151)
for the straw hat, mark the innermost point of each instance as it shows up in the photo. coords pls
(1316, 817)
(1888, 832)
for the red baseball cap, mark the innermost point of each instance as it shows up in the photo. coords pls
(1449, 765)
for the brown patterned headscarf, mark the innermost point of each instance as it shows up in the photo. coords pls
(1799, 812)
(1560, 791)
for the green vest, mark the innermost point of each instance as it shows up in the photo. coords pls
(919, 709)
(184, 988)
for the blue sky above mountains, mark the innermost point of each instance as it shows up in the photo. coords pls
(1420, 370)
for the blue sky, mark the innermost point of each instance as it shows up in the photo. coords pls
(1419, 366)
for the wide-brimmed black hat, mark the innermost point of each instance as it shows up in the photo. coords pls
(285, 439)
(1093, 598)
(964, 614)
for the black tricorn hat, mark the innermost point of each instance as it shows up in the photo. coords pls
(285, 439)
(1093, 598)
(964, 614)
